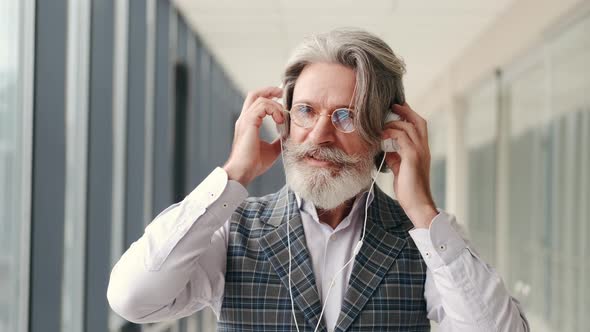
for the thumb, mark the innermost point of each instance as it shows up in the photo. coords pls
(271, 151)
(393, 160)
(275, 146)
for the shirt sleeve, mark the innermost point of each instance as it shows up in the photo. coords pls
(178, 265)
(462, 292)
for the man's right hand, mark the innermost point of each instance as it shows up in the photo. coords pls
(250, 155)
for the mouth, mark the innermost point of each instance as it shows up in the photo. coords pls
(312, 159)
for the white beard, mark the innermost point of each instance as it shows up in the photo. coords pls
(326, 188)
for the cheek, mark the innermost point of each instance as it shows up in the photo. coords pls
(354, 145)
(297, 134)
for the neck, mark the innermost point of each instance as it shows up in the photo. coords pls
(334, 216)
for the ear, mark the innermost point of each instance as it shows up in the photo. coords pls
(283, 128)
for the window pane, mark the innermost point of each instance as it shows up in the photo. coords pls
(570, 106)
(528, 266)
(76, 165)
(14, 169)
(437, 137)
(480, 139)
(549, 186)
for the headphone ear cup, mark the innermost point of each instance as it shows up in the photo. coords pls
(283, 128)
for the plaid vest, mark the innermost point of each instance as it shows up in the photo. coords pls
(386, 288)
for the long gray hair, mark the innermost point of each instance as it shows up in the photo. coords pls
(378, 73)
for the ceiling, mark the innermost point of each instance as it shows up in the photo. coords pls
(252, 39)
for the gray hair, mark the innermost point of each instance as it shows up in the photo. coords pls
(378, 73)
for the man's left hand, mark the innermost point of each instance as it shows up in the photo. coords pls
(411, 165)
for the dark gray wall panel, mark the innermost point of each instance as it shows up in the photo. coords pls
(162, 126)
(205, 113)
(181, 86)
(100, 164)
(221, 118)
(49, 149)
(193, 168)
(181, 37)
(136, 95)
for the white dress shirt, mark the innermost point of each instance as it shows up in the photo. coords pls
(178, 266)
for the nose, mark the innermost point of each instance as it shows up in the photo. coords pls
(323, 130)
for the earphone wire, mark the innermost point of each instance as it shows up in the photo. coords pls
(289, 241)
(358, 246)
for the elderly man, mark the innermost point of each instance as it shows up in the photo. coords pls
(327, 252)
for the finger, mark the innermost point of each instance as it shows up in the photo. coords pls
(407, 147)
(276, 145)
(277, 114)
(273, 148)
(269, 154)
(263, 107)
(267, 92)
(264, 100)
(409, 115)
(410, 129)
(393, 161)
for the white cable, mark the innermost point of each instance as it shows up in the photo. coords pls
(356, 249)
(332, 283)
(289, 242)
(367, 201)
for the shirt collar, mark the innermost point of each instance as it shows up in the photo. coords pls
(357, 208)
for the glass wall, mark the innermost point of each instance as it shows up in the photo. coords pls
(570, 153)
(480, 141)
(528, 180)
(76, 136)
(69, 208)
(545, 98)
(437, 139)
(15, 160)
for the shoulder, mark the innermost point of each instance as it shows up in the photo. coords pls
(254, 207)
(390, 214)
(253, 215)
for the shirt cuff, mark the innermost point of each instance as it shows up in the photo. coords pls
(441, 244)
(217, 194)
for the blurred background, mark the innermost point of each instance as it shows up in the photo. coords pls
(112, 110)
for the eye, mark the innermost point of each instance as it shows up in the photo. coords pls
(303, 109)
(342, 114)
(343, 120)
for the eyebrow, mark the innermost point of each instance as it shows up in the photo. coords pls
(332, 107)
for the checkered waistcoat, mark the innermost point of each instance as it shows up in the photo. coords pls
(386, 288)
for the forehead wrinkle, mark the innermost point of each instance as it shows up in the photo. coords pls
(323, 99)
(325, 86)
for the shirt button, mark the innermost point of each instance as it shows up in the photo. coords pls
(427, 254)
(442, 247)
(224, 205)
(333, 237)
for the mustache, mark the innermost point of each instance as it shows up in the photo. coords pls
(330, 154)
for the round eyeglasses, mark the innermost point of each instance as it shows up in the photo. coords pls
(305, 116)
